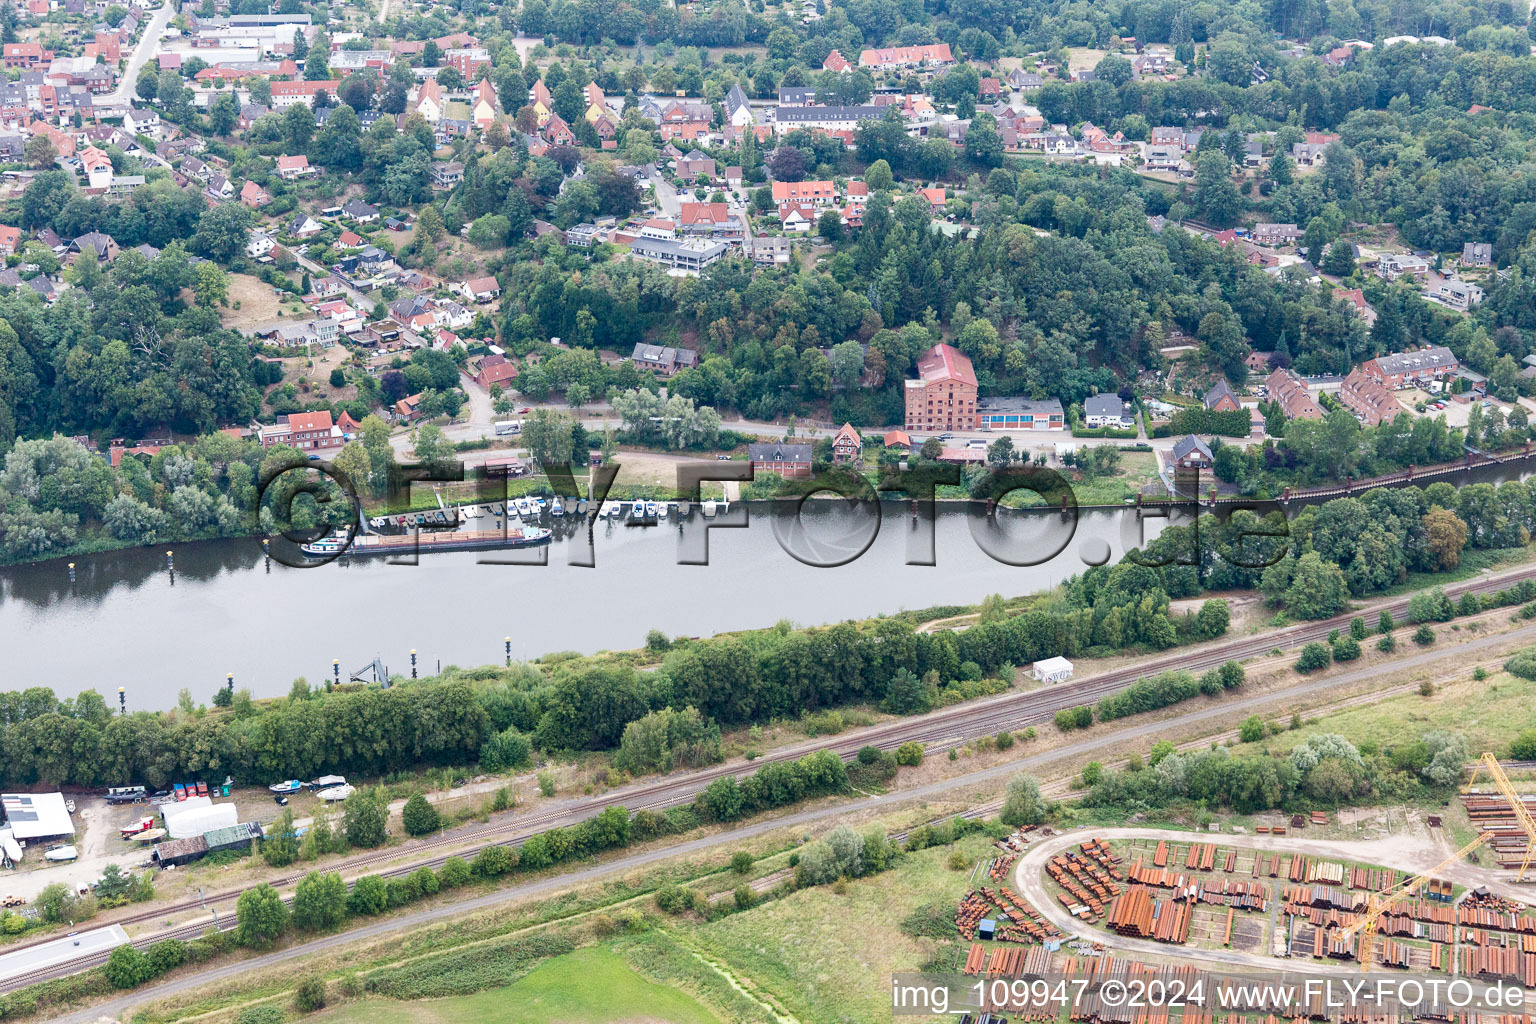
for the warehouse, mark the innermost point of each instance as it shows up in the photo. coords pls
(37, 815)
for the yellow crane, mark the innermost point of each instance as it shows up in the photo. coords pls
(1491, 764)
(1381, 903)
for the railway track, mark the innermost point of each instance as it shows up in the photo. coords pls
(969, 721)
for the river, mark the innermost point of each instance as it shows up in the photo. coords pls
(127, 620)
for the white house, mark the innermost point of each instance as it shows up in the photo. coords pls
(259, 245)
(1052, 670)
(737, 110)
(142, 122)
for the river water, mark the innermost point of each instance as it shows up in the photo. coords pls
(127, 620)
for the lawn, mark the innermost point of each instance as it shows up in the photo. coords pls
(1488, 714)
(589, 986)
(825, 957)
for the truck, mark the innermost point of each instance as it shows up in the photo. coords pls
(506, 428)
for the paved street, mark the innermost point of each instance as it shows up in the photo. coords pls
(148, 45)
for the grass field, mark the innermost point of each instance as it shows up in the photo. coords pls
(826, 957)
(1488, 713)
(589, 986)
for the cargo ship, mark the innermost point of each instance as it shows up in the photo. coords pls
(404, 544)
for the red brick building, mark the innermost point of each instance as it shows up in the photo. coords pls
(1372, 402)
(943, 397)
(847, 446)
(306, 431)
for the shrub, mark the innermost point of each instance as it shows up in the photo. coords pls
(1524, 746)
(1384, 623)
(744, 897)
(259, 1015)
(338, 378)
(675, 899)
(494, 861)
(1523, 664)
(310, 995)
(1426, 689)
(369, 896)
(419, 816)
(506, 751)
(1357, 628)
(1066, 721)
(167, 955)
(1252, 729)
(1479, 674)
(910, 754)
(1004, 740)
(1346, 649)
(546, 783)
(741, 862)
(1313, 657)
(1424, 636)
(128, 968)
(1093, 771)
(1386, 644)
(454, 873)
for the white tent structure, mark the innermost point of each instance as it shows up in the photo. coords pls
(1052, 670)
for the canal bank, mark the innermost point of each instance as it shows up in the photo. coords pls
(128, 619)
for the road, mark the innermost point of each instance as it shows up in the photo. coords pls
(980, 718)
(1078, 751)
(149, 43)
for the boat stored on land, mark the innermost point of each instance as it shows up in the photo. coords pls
(62, 853)
(291, 786)
(149, 835)
(335, 793)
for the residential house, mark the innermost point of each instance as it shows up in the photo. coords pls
(1021, 414)
(689, 257)
(1189, 452)
(1396, 265)
(556, 132)
(495, 369)
(1371, 401)
(893, 57)
(767, 250)
(1106, 410)
(306, 431)
(1476, 254)
(96, 166)
(898, 439)
(292, 167)
(303, 226)
(943, 395)
(26, 56)
(1285, 387)
(847, 445)
(1407, 369)
(103, 245)
(1461, 295)
(1221, 398)
(349, 239)
(779, 459)
(254, 196)
(798, 218)
(1309, 154)
(733, 177)
(936, 198)
(287, 94)
(710, 220)
(485, 105)
(695, 164)
(583, 236)
(259, 245)
(665, 360)
(429, 101)
(359, 211)
(827, 119)
(836, 62)
(142, 122)
(796, 96)
(219, 187)
(799, 193)
(446, 174)
(1276, 234)
(10, 239)
(737, 111)
(1356, 298)
(480, 289)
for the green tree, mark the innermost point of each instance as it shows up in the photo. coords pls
(419, 816)
(363, 821)
(1023, 803)
(280, 843)
(260, 917)
(320, 902)
(128, 968)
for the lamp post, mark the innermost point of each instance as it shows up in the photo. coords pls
(506, 643)
(122, 700)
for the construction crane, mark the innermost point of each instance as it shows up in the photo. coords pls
(1516, 805)
(1382, 903)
